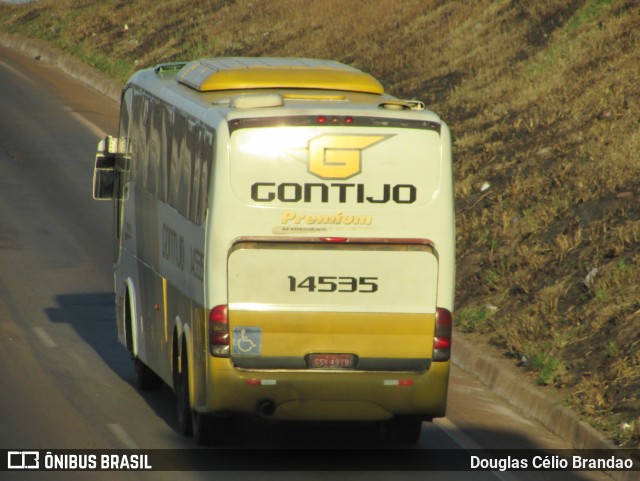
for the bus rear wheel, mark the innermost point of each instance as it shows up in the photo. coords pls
(200, 426)
(205, 429)
(181, 386)
(211, 430)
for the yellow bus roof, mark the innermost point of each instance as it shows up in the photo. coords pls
(207, 75)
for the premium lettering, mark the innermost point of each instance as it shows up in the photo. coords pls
(337, 218)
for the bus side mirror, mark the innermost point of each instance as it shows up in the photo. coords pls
(104, 173)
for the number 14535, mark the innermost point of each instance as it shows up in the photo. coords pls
(334, 284)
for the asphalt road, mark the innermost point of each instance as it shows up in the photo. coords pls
(65, 383)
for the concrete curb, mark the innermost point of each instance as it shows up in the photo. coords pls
(491, 372)
(526, 398)
(69, 65)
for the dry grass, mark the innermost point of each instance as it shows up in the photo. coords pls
(544, 102)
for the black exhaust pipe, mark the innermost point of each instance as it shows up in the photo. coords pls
(266, 407)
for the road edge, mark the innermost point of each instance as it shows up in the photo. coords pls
(531, 402)
(71, 66)
(491, 372)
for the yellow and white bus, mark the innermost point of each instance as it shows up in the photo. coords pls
(284, 243)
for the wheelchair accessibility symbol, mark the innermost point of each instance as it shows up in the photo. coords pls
(247, 341)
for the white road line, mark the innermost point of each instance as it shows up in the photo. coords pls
(44, 338)
(122, 436)
(455, 433)
(16, 72)
(87, 123)
(465, 442)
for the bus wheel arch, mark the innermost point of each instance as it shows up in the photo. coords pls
(145, 378)
(130, 319)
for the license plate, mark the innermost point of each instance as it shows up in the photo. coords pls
(330, 361)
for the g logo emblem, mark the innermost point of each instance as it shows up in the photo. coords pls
(339, 156)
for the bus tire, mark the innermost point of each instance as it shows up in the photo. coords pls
(181, 383)
(210, 429)
(128, 323)
(404, 429)
(146, 379)
(200, 428)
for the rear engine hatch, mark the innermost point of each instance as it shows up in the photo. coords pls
(321, 305)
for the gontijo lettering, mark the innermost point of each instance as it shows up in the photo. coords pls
(342, 193)
(172, 246)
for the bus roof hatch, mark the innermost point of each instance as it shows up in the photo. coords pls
(207, 75)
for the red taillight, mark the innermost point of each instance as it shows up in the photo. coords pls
(442, 335)
(219, 331)
(443, 318)
(442, 342)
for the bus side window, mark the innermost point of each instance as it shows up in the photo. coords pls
(184, 163)
(207, 164)
(122, 162)
(139, 139)
(166, 151)
(197, 174)
(145, 127)
(154, 172)
(124, 145)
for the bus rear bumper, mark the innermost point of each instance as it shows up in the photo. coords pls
(328, 395)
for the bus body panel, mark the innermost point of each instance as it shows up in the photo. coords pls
(330, 395)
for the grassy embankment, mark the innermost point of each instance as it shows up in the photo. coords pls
(544, 100)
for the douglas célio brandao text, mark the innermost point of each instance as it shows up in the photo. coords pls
(549, 463)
